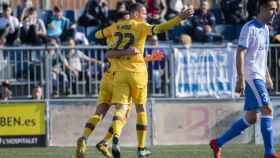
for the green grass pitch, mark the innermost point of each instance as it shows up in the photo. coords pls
(188, 151)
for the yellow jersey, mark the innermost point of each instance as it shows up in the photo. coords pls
(110, 44)
(132, 33)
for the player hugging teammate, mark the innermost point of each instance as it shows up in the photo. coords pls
(129, 78)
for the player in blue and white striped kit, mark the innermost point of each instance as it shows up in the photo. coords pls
(254, 76)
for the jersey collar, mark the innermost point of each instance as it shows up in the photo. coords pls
(259, 23)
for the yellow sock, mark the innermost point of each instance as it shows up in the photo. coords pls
(109, 134)
(118, 121)
(91, 124)
(141, 127)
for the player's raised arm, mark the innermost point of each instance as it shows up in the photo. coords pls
(184, 14)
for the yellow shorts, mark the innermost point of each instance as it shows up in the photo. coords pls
(105, 89)
(130, 85)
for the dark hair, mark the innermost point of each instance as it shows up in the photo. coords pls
(119, 4)
(6, 84)
(39, 85)
(57, 9)
(144, 2)
(50, 41)
(121, 14)
(203, 1)
(263, 3)
(31, 10)
(68, 39)
(6, 7)
(135, 7)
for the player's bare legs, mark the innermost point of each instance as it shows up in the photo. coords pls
(102, 146)
(119, 120)
(141, 127)
(101, 111)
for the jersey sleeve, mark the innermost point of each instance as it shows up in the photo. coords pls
(146, 28)
(244, 37)
(105, 33)
(155, 29)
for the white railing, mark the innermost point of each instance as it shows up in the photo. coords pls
(27, 67)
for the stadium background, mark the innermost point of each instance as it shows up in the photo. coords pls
(72, 4)
(174, 120)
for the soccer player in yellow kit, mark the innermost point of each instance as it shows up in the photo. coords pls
(104, 104)
(130, 72)
(104, 98)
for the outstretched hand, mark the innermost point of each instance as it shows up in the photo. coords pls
(186, 13)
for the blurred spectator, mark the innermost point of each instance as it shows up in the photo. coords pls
(156, 68)
(9, 25)
(3, 61)
(203, 23)
(2, 3)
(6, 92)
(155, 19)
(2, 40)
(274, 51)
(181, 54)
(59, 64)
(33, 30)
(75, 58)
(185, 27)
(155, 7)
(173, 7)
(155, 10)
(185, 40)
(170, 10)
(3, 27)
(275, 26)
(235, 11)
(278, 6)
(252, 8)
(2, 43)
(121, 6)
(95, 14)
(144, 2)
(81, 38)
(22, 8)
(37, 92)
(128, 2)
(59, 26)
